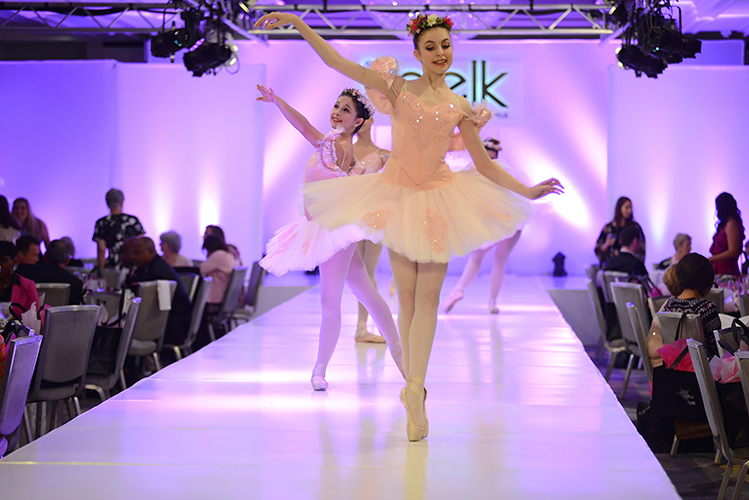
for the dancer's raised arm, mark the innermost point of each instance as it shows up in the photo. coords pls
(294, 117)
(493, 171)
(328, 54)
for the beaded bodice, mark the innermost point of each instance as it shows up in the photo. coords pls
(421, 138)
(322, 165)
(372, 162)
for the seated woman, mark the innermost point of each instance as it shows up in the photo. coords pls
(728, 237)
(30, 225)
(14, 287)
(682, 245)
(694, 275)
(171, 243)
(10, 227)
(219, 266)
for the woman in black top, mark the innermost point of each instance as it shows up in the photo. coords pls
(608, 244)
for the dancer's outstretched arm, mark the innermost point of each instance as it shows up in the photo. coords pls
(328, 54)
(492, 170)
(294, 117)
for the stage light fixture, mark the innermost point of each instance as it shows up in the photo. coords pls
(208, 56)
(632, 57)
(690, 46)
(168, 43)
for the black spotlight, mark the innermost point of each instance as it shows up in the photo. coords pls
(558, 261)
(690, 46)
(632, 57)
(206, 57)
(170, 42)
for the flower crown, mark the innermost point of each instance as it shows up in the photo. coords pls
(492, 143)
(422, 22)
(362, 99)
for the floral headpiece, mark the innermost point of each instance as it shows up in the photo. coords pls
(362, 99)
(492, 143)
(422, 22)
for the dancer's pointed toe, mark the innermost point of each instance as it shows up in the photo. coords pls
(452, 299)
(363, 336)
(318, 378)
(415, 389)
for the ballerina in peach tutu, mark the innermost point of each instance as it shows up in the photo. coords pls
(421, 210)
(304, 244)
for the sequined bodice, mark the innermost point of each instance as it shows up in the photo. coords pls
(421, 138)
(372, 162)
(322, 164)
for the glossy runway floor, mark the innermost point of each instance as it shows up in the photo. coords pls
(516, 410)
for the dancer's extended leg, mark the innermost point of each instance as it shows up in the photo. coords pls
(469, 273)
(404, 277)
(332, 279)
(363, 288)
(504, 248)
(370, 254)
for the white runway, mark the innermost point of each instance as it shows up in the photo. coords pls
(516, 410)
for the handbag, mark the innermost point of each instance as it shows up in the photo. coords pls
(103, 357)
(676, 393)
(740, 332)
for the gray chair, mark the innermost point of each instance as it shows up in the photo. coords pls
(591, 271)
(56, 294)
(63, 359)
(114, 277)
(715, 419)
(614, 347)
(717, 297)
(624, 293)
(102, 384)
(744, 304)
(641, 335)
(198, 307)
(605, 278)
(190, 283)
(19, 370)
(691, 328)
(726, 335)
(230, 302)
(150, 325)
(244, 314)
(655, 304)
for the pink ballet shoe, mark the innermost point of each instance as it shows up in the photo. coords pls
(413, 431)
(493, 309)
(363, 336)
(452, 299)
(318, 378)
(396, 351)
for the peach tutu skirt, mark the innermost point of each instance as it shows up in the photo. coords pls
(424, 225)
(303, 245)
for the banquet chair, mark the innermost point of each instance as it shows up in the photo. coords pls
(19, 371)
(641, 336)
(726, 335)
(615, 346)
(56, 294)
(655, 304)
(717, 297)
(196, 317)
(102, 384)
(60, 375)
(632, 293)
(243, 314)
(150, 325)
(735, 456)
(605, 278)
(230, 302)
(114, 277)
(190, 283)
(744, 304)
(691, 328)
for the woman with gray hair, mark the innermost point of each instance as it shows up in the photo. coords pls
(683, 246)
(171, 243)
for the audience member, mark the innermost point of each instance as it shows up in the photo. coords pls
(608, 243)
(150, 266)
(126, 258)
(73, 261)
(219, 266)
(171, 243)
(745, 264)
(53, 270)
(30, 225)
(627, 260)
(216, 230)
(728, 237)
(111, 231)
(14, 287)
(672, 284)
(27, 250)
(683, 246)
(695, 277)
(10, 227)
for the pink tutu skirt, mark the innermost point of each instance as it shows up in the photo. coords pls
(303, 245)
(424, 225)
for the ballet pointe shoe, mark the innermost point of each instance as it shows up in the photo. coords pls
(452, 299)
(426, 420)
(493, 309)
(415, 388)
(396, 351)
(363, 336)
(318, 378)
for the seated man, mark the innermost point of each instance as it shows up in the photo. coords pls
(53, 270)
(27, 250)
(150, 266)
(627, 261)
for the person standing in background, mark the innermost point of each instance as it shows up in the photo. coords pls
(111, 231)
(729, 236)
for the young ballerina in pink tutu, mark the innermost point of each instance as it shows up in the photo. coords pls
(304, 244)
(421, 210)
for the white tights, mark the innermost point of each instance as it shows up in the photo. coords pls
(503, 249)
(418, 286)
(347, 266)
(370, 254)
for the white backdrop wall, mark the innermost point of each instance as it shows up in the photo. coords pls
(676, 143)
(186, 151)
(557, 118)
